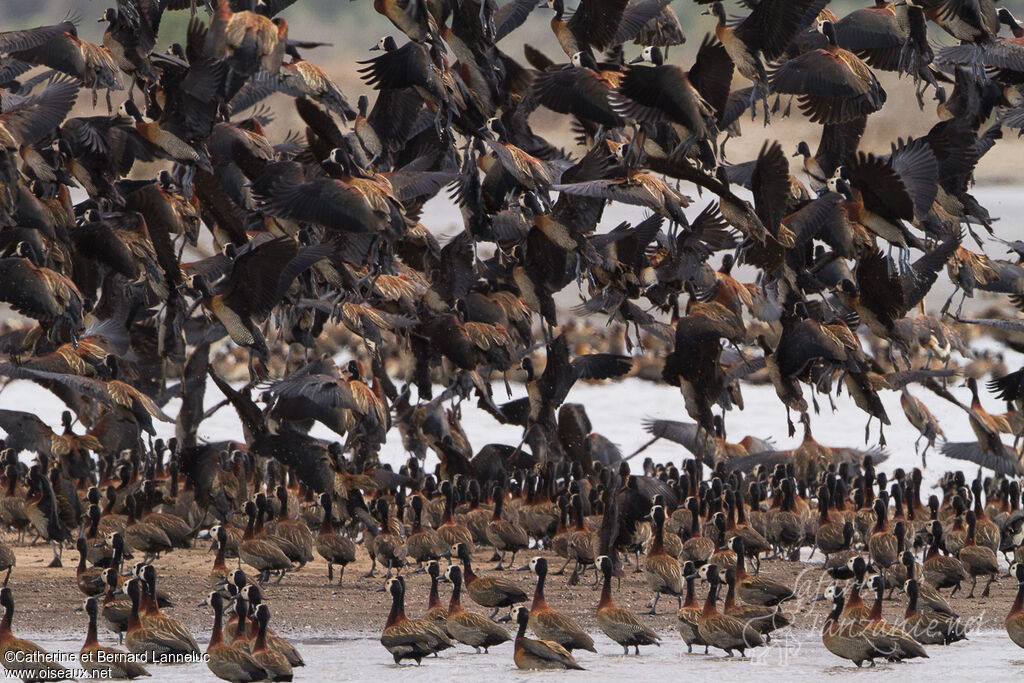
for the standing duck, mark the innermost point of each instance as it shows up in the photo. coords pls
(893, 639)
(90, 581)
(660, 568)
(697, 548)
(942, 571)
(32, 659)
(487, 591)
(721, 630)
(407, 638)
(618, 623)
(423, 544)
(260, 554)
(503, 534)
(978, 560)
(274, 641)
(549, 624)
(273, 662)
(842, 640)
(756, 590)
(115, 662)
(153, 642)
(930, 627)
(436, 612)
(450, 531)
(219, 572)
(470, 628)
(333, 547)
(226, 662)
(882, 544)
(688, 616)
(765, 619)
(538, 654)
(388, 547)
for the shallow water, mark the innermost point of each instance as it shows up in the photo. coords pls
(988, 656)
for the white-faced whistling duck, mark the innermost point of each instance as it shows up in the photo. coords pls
(452, 532)
(115, 662)
(661, 569)
(436, 611)
(503, 534)
(756, 590)
(469, 628)
(423, 544)
(721, 630)
(12, 647)
(153, 642)
(408, 638)
(688, 616)
(224, 661)
(942, 571)
(538, 654)
(617, 623)
(150, 613)
(763, 35)
(686, 99)
(842, 89)
(219, 572)
(842, 638)
(274, 642)
(388, 547)
(116, 610)
(900, 644)
(260, 554)
(90, 580)
(487, 591)
(765, 619)
(549, 624)
(928, 626)
(978, 560)
(274, 663)
(333, 547)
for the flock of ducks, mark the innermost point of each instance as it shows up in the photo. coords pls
(319, 248)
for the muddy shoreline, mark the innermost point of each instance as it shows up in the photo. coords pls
(304, 607)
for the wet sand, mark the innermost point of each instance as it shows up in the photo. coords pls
(304, 606)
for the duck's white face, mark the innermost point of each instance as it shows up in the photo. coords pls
(382, 43)
(576, 59)
(533, 564)
(703, 572)
(830, 593)
(648, 53)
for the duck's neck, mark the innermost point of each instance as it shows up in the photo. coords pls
(730, 598)
(911, 606)
(218, 560)
(435, 599)
(606, 593)
(876, 608)
(709, 603)
(691, 595)
(90, 634)
(538, 594)
(217, 635)
(455, 604)
(240, 626)
(397, 614)
(855, 600)
(260, 644)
